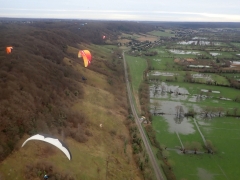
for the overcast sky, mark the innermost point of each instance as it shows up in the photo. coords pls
(140, 10)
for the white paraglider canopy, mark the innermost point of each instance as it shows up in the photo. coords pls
(51, 140)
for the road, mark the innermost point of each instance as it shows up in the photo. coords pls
(153, 161)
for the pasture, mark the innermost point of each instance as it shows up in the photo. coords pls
(193, 133)
(136, 66)
(165, 33)
(174, 133)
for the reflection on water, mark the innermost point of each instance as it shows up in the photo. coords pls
(198, 42)
(175, 51)
(199, 38)
(162, 90)
(185, 127)
(159, 73)
(214, 53)
(196, 98)
(174, 116)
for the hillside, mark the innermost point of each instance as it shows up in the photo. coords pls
(42, 91)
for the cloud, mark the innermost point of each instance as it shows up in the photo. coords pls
(119, 15)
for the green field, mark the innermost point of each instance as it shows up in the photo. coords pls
(162, 33)
(221, 133)
(221, 165)
(236, 44)
(226, 92)
(224, 161)
(170, 134)
(136, 66)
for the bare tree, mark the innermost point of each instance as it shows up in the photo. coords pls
(235, 111)
(176, 91)
(156, 104)
(196, 146)
(179, 114)
(163, 88)
(206, 112)
(220, 111)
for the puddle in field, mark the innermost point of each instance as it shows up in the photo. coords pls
(159, 73)
(199, 38)
(203, 174)
(202, 76)
(163, 87)
(201, 43)
(158, 60)
(176, 93)
(196, 98)
(198, 41)
(235, 62)
(173, 115)
(187, 42)
(215, 54)
(204, 123)
(205, 90)
(198, 66)
(175, 51)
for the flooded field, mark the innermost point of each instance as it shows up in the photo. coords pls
(159, 73)
(215, 54)
(175, 51)
(173, 115)
(199, 38)
(190, 116)
(202, 76)
(198, 66)
(199, 42)
(164, 90)
(205, 90)
(158, 60)
(236, 62)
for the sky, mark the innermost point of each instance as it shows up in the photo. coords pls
(137, 10)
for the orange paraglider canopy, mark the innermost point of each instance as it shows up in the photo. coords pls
(9, 49)
(86, 55)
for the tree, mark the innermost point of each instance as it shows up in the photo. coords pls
(196, 146)
(235, 111)
(209, 146)
(220, 111)
(165, 154)
(179, 114)
(156, 104)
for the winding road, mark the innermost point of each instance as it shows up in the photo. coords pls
(153, 161)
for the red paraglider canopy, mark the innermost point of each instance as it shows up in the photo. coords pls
(9, 49)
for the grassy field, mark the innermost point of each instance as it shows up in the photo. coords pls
(196, 88)
(140, 37)
(137, 66)
(220, 165)
(162, 33)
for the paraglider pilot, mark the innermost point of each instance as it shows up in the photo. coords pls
(45, 176)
